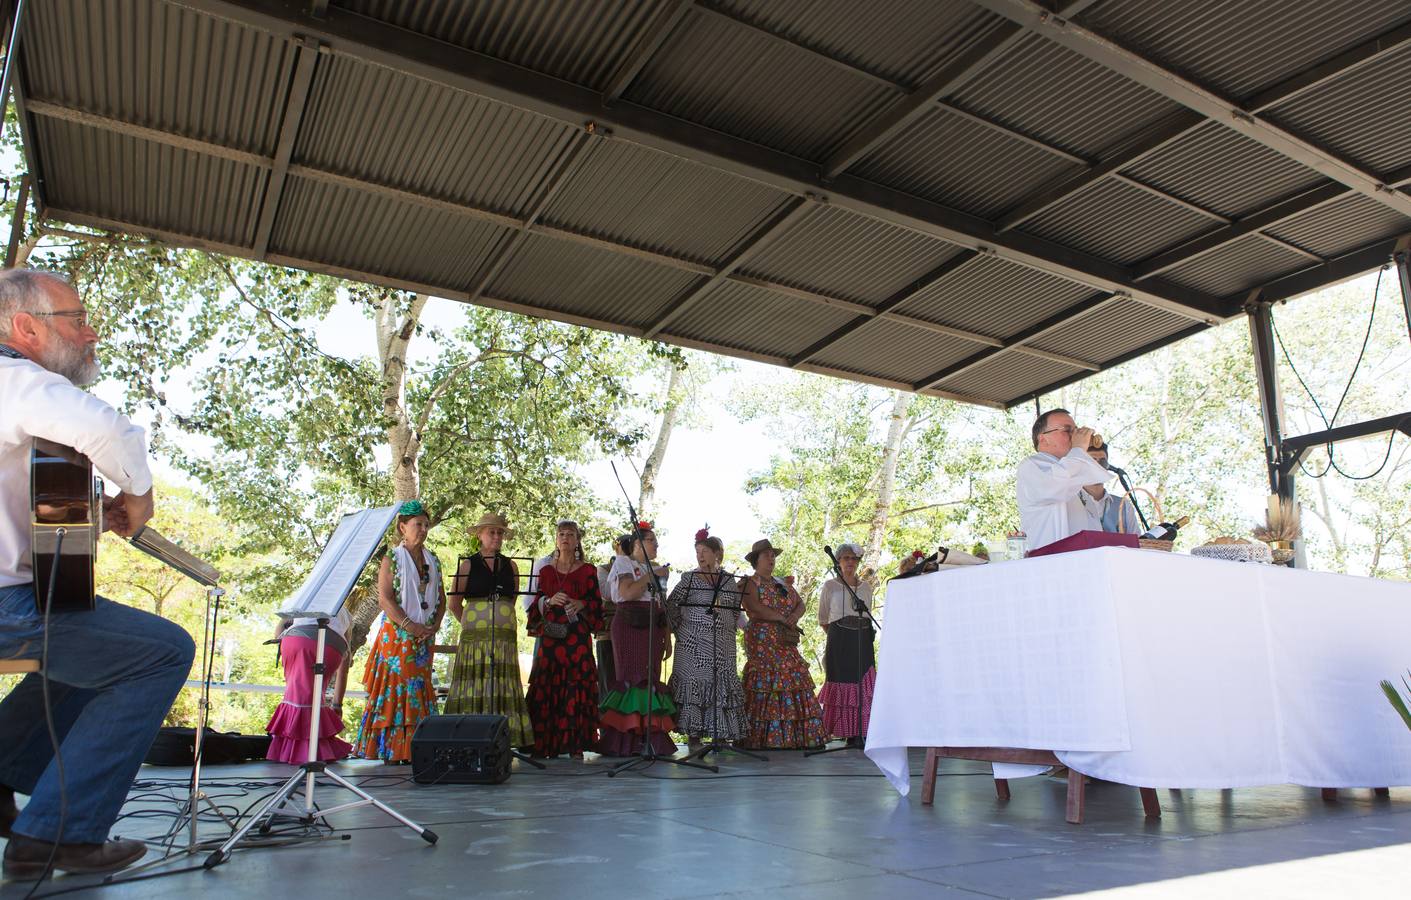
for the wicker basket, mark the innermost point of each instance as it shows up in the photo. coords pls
(1153, 544)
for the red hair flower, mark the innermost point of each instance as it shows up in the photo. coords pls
(918, 554)
(703, 533)
(644, 525)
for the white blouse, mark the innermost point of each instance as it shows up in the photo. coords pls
(835, 602)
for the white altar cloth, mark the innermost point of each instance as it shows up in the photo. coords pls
(1149, 668)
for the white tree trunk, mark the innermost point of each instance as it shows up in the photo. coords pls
(394, 334)
(886, 478)
(652, 467)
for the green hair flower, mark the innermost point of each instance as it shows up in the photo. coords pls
(412, 508)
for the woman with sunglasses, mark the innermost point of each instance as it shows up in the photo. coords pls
(563, 684)
(398, 671)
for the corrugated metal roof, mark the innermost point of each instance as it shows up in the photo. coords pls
(759, 321)
(576, 40)
(165, 116)
(902, 40)
(1009, 376)
(952, 160)
(368, 122)
(1359, 116)
(1242, 47)
(337, 226)
(1343, 225)
(897, 351)
(1051, 93)
(1224, 171)
(713, 72)
(585, 281)
(1118, 222)
(1236, 267)
(129, 180)
(1111, 331)
(994, 297)
(658, 202)
(846, 255)
(158, 65)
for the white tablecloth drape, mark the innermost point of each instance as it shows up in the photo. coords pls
(1149, 668)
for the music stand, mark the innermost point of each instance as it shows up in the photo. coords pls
(321, 597)
(494, 600)
(715, 745)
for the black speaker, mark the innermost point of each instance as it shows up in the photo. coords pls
(461, 750)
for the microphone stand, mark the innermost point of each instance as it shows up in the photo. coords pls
(1127, 486)
(648, 753)
(715, 744)
(494, 601)
(863, 612)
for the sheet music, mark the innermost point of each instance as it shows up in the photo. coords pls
(343, 560)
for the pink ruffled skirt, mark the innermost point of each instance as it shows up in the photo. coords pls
(289, 726)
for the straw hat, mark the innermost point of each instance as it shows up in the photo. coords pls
(493, 520)
(759, 547)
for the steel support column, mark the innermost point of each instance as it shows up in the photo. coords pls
(1271, 398)
(1403, 276)
(17, 224)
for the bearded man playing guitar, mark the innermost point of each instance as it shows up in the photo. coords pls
(114, 670)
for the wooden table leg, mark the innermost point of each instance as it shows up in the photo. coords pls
(1330, 795)
(1077, 796)
(1002, 788)
(1150, 805)
(928, 776)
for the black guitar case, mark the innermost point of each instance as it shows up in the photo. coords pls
(177, 747)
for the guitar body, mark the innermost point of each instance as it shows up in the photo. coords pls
(65, 497)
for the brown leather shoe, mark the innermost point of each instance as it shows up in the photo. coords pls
(26, 858)
(9, 812)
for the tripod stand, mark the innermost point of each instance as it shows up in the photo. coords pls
(648, 753)
(308, 775)
(864, 615)
(715, 744)
(493, 599)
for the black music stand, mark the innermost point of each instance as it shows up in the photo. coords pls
(494, 601)
(715, 744)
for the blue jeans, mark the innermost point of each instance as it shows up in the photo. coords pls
(113, 674)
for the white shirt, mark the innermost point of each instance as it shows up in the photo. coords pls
(340, 624)
(1049, 508)
(37, 403)
(834, 601)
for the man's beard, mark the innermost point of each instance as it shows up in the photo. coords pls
(76, 362)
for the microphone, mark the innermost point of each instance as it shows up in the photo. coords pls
(1116, 470)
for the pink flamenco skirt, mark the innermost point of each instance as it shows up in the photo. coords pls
(846, 710)
(289, 726)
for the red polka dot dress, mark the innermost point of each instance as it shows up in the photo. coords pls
(563, 685)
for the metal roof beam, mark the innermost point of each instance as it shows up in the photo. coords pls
(1032, 333)
(558, 175)
(1340, 268)
(1253, 223)
(1185, 121)
(183, 240)
(305, 60)
(925, 282)
(894, 118)
(657, 33)
(784, 219)
(456, 67)
(1171, 85)
(1127, 357)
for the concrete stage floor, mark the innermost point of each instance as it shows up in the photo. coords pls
(825, 827)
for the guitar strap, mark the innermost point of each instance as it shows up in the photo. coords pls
(11, 352)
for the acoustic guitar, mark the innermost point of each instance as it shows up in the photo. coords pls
(67, 504)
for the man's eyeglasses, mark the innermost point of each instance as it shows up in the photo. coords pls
(80, 316)
(1067, 429)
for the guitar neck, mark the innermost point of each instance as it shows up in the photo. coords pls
(163, 550)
